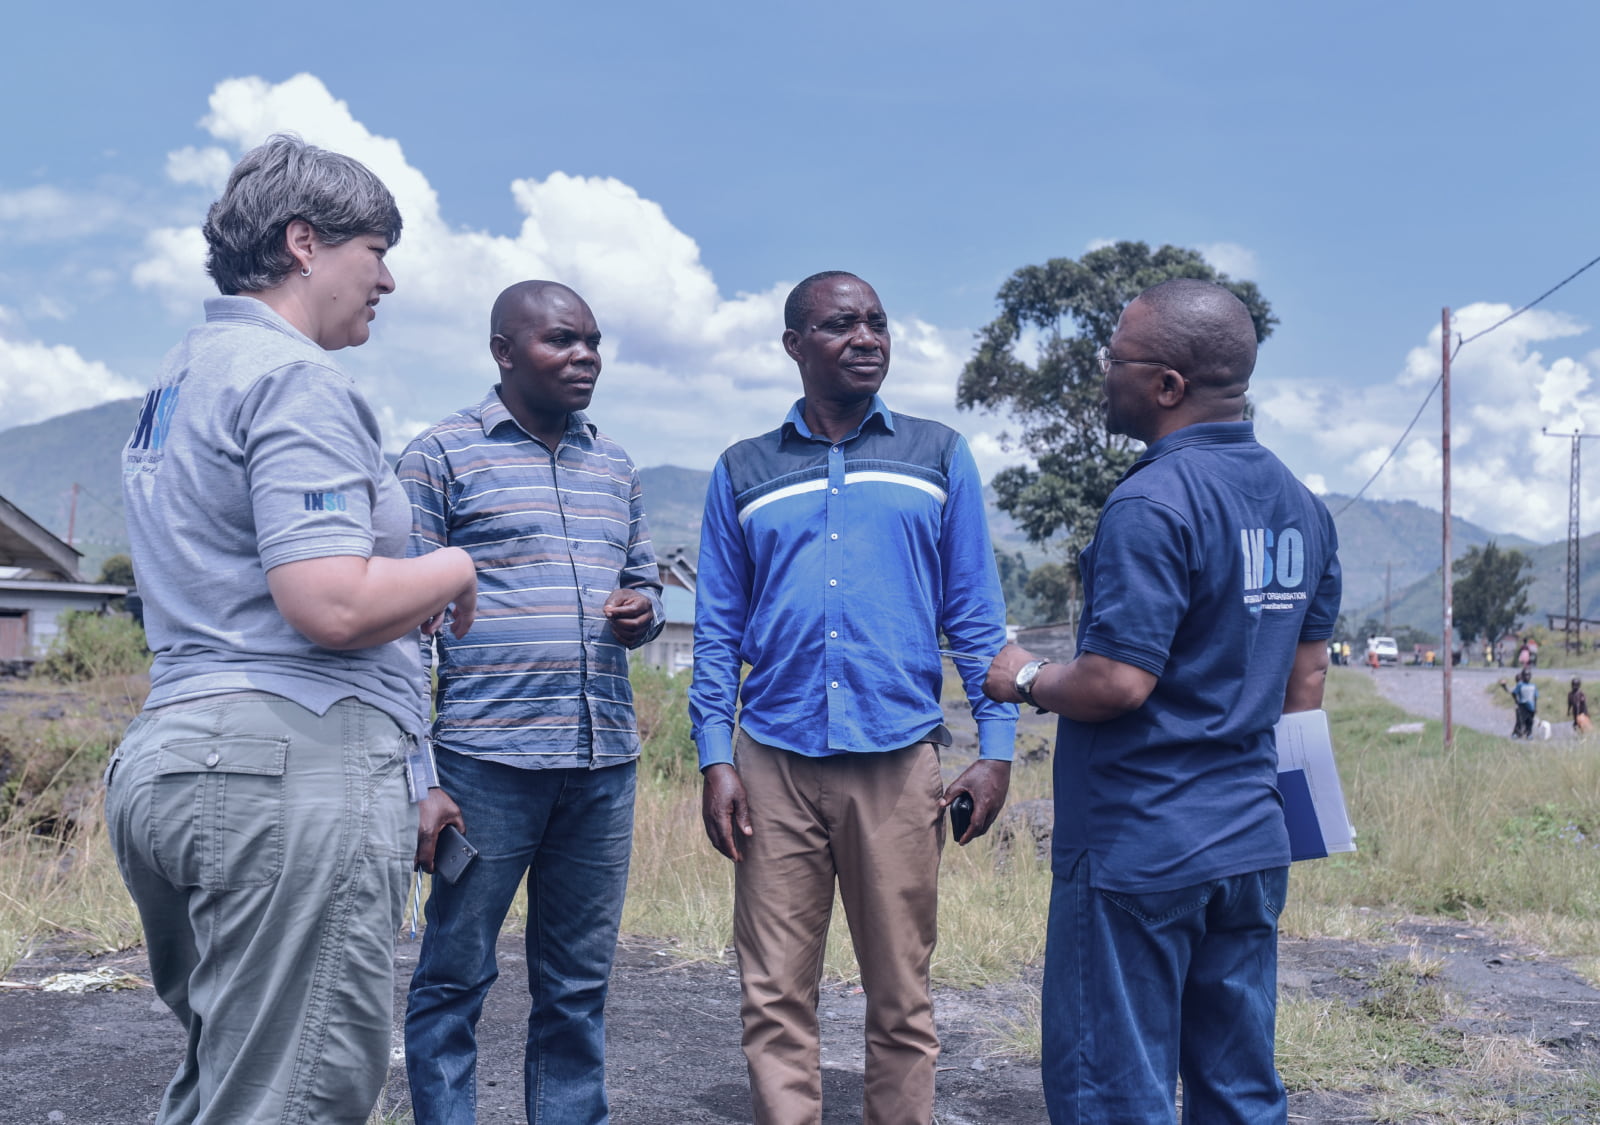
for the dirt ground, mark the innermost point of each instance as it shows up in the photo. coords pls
(102, 1058)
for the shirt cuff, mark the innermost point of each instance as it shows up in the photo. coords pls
(715, 745)
(997, 739)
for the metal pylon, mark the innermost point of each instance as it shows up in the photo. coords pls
(1574, 642)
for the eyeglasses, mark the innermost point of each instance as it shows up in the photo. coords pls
(1107, 360)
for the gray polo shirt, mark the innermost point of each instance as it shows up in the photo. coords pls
(253, 450)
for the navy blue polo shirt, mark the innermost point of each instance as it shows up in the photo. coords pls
(1210, 564)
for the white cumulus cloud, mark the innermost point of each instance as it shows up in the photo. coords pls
(38, 381)
(1506, 474)
(687, 369)
(1238, 262)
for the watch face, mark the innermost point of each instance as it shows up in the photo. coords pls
(1026, 675)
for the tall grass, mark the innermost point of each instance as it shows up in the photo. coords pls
(1493, 829)
(991, 916)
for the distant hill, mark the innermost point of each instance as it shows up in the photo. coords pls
(1400, 537)
(1421, 603)
(39, 464)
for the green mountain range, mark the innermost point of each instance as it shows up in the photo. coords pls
(1383, 545)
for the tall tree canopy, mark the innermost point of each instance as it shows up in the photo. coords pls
(1490, 593)
(1066, 310)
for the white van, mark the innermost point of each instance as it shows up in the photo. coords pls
(1384, 648)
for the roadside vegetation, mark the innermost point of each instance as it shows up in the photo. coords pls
(1498, 834)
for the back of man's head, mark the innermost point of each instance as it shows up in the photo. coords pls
(1204, 332)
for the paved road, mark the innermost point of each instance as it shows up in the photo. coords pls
(1421, 691)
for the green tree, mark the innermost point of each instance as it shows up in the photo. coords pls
(1490, 592)
(117, 570)
(1054, 590)
(1014, 586)
(1068, 308)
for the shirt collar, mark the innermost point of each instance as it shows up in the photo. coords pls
(1202, 433)
(795, 421)
(494, 414)
(248, 310)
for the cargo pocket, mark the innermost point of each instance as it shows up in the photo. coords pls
(217, 811)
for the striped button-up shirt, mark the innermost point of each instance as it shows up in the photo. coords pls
(540, 681)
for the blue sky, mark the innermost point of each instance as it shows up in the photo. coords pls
(1365, 163)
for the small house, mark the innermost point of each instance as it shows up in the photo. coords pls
(39, 584)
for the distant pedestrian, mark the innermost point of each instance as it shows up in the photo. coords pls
(1488, 654)
(1523, 656)
(1526, 697)
(1533, 653)
(1578, 707)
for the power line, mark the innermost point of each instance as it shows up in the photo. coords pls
(1461, 343)
(1426, 399)
(1508, 319)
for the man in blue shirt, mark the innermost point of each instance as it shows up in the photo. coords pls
(535, 731)
(1210, 590)
(835, 550)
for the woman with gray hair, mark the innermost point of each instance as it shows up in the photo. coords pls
(258, 806)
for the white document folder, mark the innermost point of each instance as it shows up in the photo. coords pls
(1313, 801)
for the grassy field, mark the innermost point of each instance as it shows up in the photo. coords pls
(1494, 833)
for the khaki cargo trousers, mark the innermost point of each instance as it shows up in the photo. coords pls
(871, 821)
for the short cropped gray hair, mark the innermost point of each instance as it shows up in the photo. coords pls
(280, 181)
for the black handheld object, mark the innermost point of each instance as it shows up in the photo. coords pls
(452, 854)
(960, 816)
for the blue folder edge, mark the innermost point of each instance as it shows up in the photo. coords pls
(1300, 815)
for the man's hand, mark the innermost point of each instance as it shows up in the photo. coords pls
(725, 809)
(434, 812)
(1000, 684)
(461, 613)
(987, 781)
(630, 614)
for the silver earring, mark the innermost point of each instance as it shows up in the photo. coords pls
(305, 271)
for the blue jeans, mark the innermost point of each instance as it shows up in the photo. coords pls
(571, 832)
(1140, 988)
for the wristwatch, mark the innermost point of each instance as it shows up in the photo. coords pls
(1028, 673)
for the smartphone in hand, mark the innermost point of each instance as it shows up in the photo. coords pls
(452, 854)
(960, 816)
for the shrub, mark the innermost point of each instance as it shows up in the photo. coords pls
(90, 646)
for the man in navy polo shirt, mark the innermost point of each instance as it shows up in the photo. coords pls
(1210, 591)
(835, 550)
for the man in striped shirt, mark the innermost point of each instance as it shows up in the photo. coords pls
(535, 734)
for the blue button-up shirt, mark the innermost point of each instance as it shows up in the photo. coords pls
(831, 569)
(540, 680)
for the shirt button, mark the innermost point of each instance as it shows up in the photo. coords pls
(835, 491)
(835, 633)
(836, 449)
(833, 581)
(212, 759)
(835, 535)
(834, 684)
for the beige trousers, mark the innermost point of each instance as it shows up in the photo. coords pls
(873, 822)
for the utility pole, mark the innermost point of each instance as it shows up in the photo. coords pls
(1447, 643)
(72, 514)
(1388, 573)
(1574, 601)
